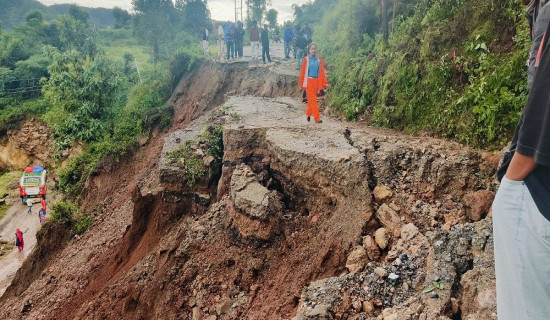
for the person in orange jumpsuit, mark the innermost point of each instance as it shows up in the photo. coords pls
(313, 80)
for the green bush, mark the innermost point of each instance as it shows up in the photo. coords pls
(210, 142)
(67, 213)
(64, 212)
(451, 68)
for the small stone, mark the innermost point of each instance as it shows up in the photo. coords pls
(394, 207)
(434, 295)
(408, 232)
(357, 259)
(382, 193)
(393, 278)
(368, 307)
(372, 247)
(382, 238)
(381, 272)
(357, 305)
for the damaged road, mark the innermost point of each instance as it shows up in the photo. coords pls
(294, 220)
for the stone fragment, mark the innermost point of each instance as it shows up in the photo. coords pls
(372, 248)
(368, 307)
(389, 314)
(224, 306)
(382, 237)
(408, 232)
(388, 217)
(477, 204)
(250, 198)
(357, 259)
(381, 272)
(321, 311)
(487, 299)
(382, 193)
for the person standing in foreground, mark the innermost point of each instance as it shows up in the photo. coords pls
(19, 240)
(265, 44)
(312, 79)
(521, 208)
(254, 40)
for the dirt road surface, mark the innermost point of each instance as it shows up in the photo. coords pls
(17, 217)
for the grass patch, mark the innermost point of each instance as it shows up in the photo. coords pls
(3, 209)
(9, 179)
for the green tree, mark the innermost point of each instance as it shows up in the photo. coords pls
(256, 9)
(154, 21)
(79, 14)
(34, 18)
(122, 17)
(195, 14)
(271, 17)
(84, 95)
(77, 35)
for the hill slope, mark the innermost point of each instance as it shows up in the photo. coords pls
(13, 13)
(290, 203)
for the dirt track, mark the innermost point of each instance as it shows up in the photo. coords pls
(17, 217)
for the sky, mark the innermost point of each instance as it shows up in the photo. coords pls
(219, 9)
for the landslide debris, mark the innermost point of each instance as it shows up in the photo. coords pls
(297, 221)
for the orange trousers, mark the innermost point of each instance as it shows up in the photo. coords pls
(311, 93)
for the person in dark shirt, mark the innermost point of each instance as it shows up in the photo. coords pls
(521, 208)
(307, 33)
(265, 44)
(301, 47)
(230, 40)
(239, 38)
(287, 38)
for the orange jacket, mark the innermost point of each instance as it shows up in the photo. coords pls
(302, 82)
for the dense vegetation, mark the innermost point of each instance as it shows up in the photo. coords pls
(13, 13)
(454, 68)
(99, 89)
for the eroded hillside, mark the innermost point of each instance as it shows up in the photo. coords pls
(297, 220)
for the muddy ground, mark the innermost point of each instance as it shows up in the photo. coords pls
(297, 221)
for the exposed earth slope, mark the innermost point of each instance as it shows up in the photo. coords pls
(298, 220)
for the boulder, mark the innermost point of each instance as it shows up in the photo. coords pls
(477, 204)
(388, 217)
(382, 238)
(357, 259)
(382, 193)
(372, 248)
(250, 198)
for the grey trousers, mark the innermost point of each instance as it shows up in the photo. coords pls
(522, 254)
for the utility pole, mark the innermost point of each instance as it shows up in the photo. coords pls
(238, 10)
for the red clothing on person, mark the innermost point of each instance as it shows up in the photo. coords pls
(43, 204)
(19, 239)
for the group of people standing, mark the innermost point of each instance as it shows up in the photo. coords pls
(299, 41)
(229, 40)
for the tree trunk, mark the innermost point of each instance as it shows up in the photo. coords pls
(156, 55)
(393, 13)
(384, 13)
